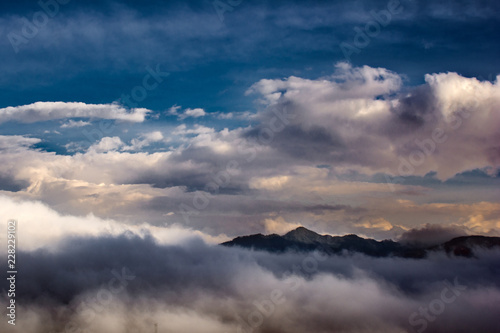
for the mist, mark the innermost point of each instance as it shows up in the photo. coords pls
(129, 283)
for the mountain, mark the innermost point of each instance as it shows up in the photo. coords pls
(463, 246)
(305, 240)
(304, 235)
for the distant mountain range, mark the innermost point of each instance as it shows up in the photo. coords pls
(305, 240)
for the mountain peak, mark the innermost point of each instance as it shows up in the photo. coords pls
(301, 229)
(303, 235)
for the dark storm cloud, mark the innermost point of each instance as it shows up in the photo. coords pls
(222, 285)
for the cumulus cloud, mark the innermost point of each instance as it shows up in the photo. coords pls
(348, 86)
(195, 113)
(187, 113)
(360, 117)
(107, 144)
(43, 111)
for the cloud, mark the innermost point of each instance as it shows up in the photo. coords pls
(363, 119)
(245, 115)
(473, 218)
(279, 226)
(43, 227)
(187, 113)
(323, 165)
(107, 144)
(144, 140)
(174, 110)
(194, 113)
(348, 85)
(16, 142)
(270, 183)
(197, 129)
(43, 111)
(431, 234)
(73, 124)
(377, 223)
(194, 287)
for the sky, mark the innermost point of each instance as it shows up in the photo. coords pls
(159, 129)
(363, 117)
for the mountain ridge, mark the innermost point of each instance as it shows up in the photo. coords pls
(302, 239)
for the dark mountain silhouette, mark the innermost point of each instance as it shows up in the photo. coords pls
(463, 246)
(305, 240)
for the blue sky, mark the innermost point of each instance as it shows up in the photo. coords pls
(393, 112)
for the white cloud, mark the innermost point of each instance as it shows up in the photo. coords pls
(43, 227)
(107, 144)
(43, 111)
(144, 140)
(279, 226)
(174, 110)
(269, 183)
(245, 115)
(346, 85)
(360, 118)
(194, 113)
(197, 129)
(72, 124)
(187, 113)
(16, 142)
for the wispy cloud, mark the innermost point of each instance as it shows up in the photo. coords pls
(43, 111)
(73, 124)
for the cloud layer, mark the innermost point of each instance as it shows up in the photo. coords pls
(352, 152)
(129, 283)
